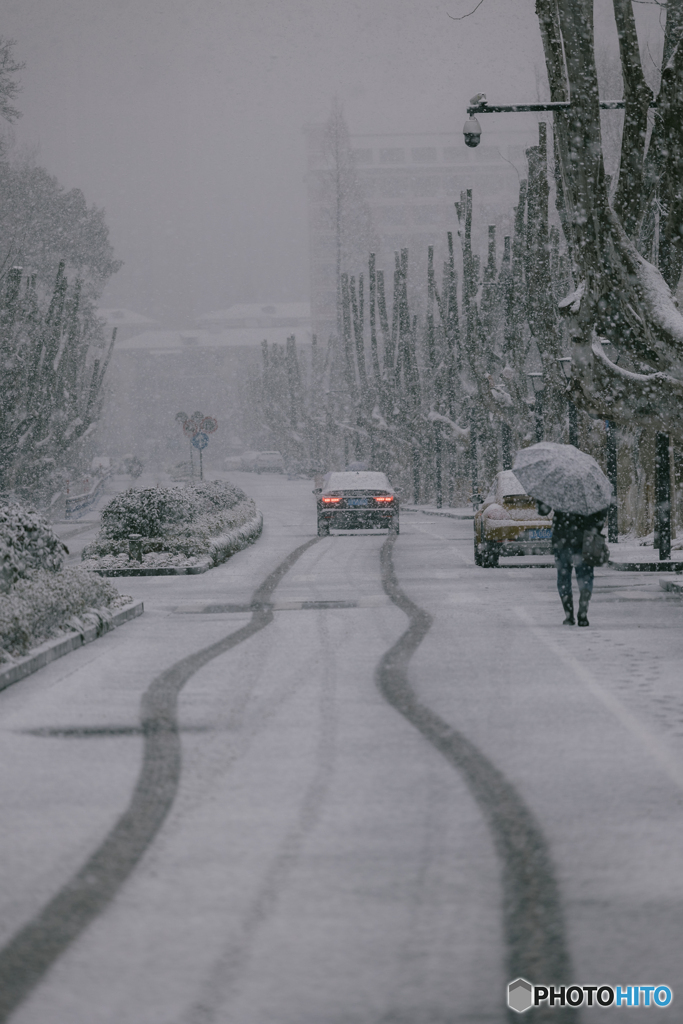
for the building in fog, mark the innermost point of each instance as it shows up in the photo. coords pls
(408, 184)
(295, 316)
(126, 322)
(154, 374)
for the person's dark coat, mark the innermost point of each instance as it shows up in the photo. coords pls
(569, 528)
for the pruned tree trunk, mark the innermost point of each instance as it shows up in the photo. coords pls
(621, 296)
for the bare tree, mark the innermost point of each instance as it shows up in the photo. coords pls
(53, 373)
(621, 295)
(9, 87)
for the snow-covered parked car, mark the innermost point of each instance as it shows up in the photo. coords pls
(359, 500)
(508, 523)
(263, 462)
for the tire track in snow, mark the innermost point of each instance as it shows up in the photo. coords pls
(28, 956)
(533, 922)
(226, 971)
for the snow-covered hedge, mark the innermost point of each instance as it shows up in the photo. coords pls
(26, 543)
(38, 597)
(49, 602)
(179, 520)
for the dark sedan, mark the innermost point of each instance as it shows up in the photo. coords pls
(362, 500)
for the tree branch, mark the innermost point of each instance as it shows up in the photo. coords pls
(463, 16)
(611, 392)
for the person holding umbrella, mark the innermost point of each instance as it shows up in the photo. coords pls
(570, 482)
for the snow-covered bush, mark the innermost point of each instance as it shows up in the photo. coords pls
(46, 601)
(148, 512)
(26, 543)
(179, 520)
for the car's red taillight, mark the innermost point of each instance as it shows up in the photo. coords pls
(384, 498)
(329, 499)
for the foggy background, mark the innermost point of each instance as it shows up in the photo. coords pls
(183, 119)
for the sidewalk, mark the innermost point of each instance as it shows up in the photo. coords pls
(642, 558)
(672, 585)
(432, 510)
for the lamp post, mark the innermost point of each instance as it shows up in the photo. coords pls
(662, 496)
(438, 458)
(572, 412)
(506, 444)
(475, 497)
(611, 459)
(538, 385)
(613, 513)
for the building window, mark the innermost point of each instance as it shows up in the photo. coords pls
(392, 156)
(425, 155)
(362, 156)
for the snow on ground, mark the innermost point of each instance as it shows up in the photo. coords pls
(322, 863)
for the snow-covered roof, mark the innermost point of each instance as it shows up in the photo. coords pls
(185, 341)
(289, 314)
(508, 484)
(504, 484)
(123, 318)
(363, 480)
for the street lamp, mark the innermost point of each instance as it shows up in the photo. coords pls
(662, 496)
(572, 413)
(472, 132)
(478, 105)
(538, 386)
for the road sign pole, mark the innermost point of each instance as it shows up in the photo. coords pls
(201, 466)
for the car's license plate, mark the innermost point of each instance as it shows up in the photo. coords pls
(357, 502)
(538, 534)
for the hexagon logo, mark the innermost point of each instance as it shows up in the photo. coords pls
(520, 996)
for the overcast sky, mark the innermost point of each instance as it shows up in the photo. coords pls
(183, 118)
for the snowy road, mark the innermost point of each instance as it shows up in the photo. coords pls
(338, 837)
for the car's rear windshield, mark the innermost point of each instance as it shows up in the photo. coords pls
(362, 482)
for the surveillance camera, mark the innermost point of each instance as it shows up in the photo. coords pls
(472, 132)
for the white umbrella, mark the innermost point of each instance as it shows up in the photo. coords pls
(561, 476)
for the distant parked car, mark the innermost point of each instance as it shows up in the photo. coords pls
(270, 462)
(263, 462)
(356, 501)
(509, 524)
(232, 462)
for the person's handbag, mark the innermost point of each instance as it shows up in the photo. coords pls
(594, 551)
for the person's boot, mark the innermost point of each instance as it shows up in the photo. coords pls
(568, 605)
(584, 598)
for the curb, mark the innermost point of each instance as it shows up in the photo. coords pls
(220, 548)
(437, 512)
(166, 570)
(646, 566)
(672, 586)
(53, 649)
